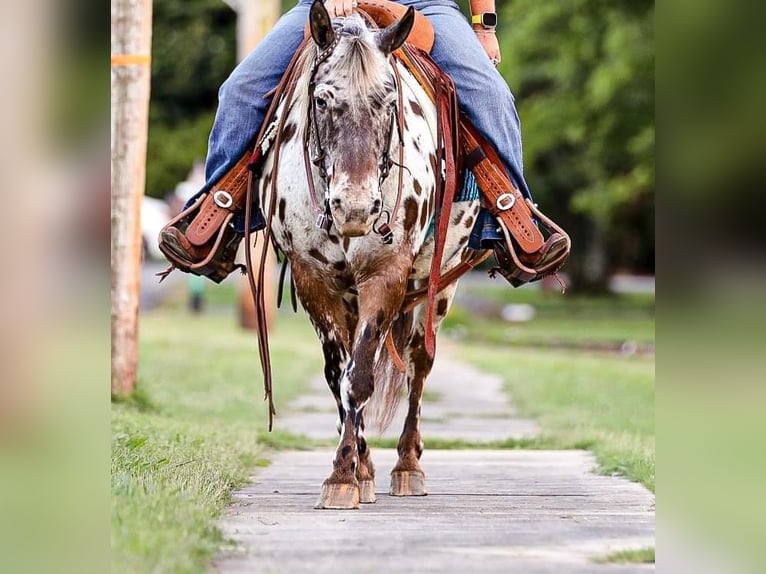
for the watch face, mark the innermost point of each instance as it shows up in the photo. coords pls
(489, 19)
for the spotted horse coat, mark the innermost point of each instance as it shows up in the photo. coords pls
(350, 282)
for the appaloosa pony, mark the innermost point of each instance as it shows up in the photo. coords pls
(352, 271)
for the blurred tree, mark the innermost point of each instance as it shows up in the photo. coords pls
(583, 75)
(194, 50)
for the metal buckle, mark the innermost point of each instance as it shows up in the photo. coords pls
(386, 234)
(323, 222)
(223, 199)
(505, 201)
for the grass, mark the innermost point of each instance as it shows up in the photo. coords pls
(567, 321)
(194, 431)
(640, 556)
(600, 401)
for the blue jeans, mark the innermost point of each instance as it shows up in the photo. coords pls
(482, 92)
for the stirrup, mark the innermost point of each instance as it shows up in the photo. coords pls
(214, 260)
(527, 268)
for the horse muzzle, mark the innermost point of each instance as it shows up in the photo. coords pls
(354, 219)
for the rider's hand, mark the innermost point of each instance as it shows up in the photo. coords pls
(338, 8)
(488, 41)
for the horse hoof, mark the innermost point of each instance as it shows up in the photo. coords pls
(408, 483)
(338, 497)
(367, 491)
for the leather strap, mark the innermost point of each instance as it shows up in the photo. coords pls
(223, 200)
(400, 132)
(446, 186)
(415, 297)
(499, 195)
(255, 278)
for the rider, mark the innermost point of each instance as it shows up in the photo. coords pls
(468, 52)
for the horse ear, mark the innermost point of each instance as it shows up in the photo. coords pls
(392, 38)
(321, 25)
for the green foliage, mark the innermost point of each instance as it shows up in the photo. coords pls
(193, 52)
(583, 75)
(173, 149)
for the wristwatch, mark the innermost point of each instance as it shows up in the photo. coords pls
(487, 20)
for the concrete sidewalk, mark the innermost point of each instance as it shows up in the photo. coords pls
(461, 402)
(486, 511)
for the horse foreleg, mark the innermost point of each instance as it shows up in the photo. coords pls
(365, 471)
(407, 477)
(379, 299)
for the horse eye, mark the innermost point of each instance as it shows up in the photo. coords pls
(321, 104)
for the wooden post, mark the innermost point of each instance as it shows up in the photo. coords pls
(131, 71)
(255, 18)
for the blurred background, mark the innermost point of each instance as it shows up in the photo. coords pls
(582, 72)
(583, 76)
(582, 364)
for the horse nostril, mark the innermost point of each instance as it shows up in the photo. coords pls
(376, 206)
(336, 202)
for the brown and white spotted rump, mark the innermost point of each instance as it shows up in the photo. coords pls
(350, 282)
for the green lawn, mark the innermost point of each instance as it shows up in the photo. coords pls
(600, 401)
(567, 321)
(196, 428)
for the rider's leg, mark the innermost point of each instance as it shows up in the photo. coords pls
(241, 110)
(241, 102)
(487, 101)
(482, 92)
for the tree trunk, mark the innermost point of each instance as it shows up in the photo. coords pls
(255, 18)
(131, 47)
(589, 274)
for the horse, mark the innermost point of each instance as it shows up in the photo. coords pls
(356, 241)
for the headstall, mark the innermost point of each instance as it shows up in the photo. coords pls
(314, 152)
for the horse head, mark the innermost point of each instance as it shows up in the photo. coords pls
(353, 112)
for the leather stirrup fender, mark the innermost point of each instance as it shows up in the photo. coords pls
(499, 195)
(225, 198)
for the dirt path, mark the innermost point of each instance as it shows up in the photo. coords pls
(487, 510)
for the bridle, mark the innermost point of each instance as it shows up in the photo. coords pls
(314, 152)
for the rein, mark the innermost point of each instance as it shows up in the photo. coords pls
(257, 288)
